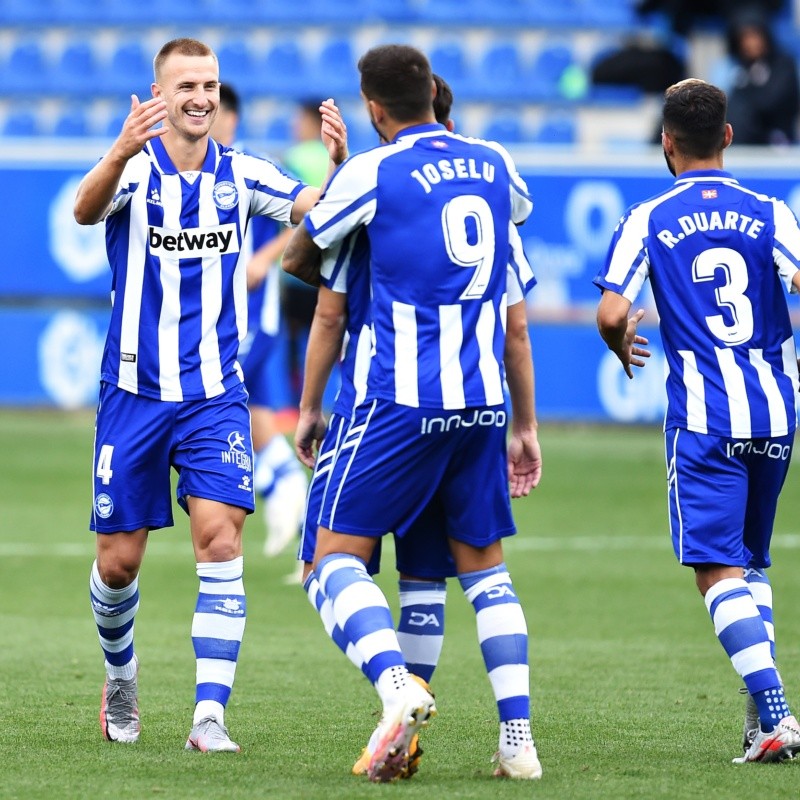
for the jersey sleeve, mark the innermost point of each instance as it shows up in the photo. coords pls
(521, 200)
(520, 278)
(627, 263)
(336, 264)
(348, 203)
(136, 171)
(786, 249)
(273, 191)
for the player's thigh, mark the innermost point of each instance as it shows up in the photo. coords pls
(213, 451)
(768, 463)
(477, 503)
(131, 462)
(708, 491)
(421, 547)
(385, 471)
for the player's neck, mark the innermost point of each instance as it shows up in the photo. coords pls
(186, 154)
(393, 127)
(697, 165)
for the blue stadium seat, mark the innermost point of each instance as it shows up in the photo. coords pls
(237, 66)
(116, 121)
(285, 71)
(457, 12)
(26, 70)
(506, 128)
(393, 10)
(73, 122)
(501, 72)
(279, 129)
(449, 60)
(77, 68)
(557, 129)
(335, 72)
(130, 70)
(24, 12)
(21, 123)
(548, 67)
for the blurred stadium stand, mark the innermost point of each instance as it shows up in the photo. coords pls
(534, 54)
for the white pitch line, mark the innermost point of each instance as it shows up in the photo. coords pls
(781, 541)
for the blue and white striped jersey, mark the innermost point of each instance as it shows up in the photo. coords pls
(716, 253)
(179, 289)
(338, 276)
(436, 208)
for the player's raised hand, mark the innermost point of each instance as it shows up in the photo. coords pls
(524, 462)
(138, 126)
(334, 131)
(308, 436)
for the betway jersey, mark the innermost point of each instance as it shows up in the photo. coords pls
(716, 254)
(436, 208)
(179, 289)
(345, 269)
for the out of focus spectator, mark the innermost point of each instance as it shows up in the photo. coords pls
(764, 95)
(683, 15)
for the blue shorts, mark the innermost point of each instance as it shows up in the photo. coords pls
(266, 371)
(423, 552)
(138, 439)
(723, 494)
(395, 459)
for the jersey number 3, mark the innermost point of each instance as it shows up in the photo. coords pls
(730, 295)
(468, 227)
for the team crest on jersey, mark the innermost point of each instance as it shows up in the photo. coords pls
(709, 194)
(103, 505)
(225, 194)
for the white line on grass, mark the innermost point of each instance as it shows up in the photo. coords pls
(786, 541)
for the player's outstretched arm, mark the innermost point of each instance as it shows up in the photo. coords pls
(524, 453)
(262, 260)
(323, 349)
(97, 189)
(619, 331)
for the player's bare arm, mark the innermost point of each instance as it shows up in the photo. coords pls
(524, 453)
(302, 258)
(97, 189)
(619, 331)
(324, 346)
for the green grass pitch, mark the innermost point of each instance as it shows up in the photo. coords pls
(632, 695)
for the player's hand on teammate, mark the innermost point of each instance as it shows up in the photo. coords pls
(524, 462)
(334, 131)
(138, 129)
(308, 436)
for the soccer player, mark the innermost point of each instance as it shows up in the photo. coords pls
(278, 477)
(176, 206)
(430, 423)
(717, 255)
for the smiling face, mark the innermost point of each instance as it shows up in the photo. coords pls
(190, 87)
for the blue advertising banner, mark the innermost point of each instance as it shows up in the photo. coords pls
(52, 356)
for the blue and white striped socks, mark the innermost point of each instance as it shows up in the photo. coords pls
(217, 630)
(420, 630)
(742, 632)
(114, 611)
(503, 637)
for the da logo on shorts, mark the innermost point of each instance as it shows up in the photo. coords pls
(236, 442)
(238, 452)
(103, 505)
(225, 194)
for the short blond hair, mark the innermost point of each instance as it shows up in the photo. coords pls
(183, 47)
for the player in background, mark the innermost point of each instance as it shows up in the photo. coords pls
(716, 254)
(176, 206)
(431, 423)
(278, 477)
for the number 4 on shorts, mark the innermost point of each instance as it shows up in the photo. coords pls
(104, 471)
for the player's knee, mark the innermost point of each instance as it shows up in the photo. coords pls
(118, 573)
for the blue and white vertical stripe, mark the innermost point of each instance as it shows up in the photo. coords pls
(114, 611)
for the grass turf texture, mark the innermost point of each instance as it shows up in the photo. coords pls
(633, 697)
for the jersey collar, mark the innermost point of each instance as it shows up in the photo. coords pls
(164, 162)
(416, 130)
(706, 175)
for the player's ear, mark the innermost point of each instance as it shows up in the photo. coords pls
(726, 142)
(155, 90)
(667, 143)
